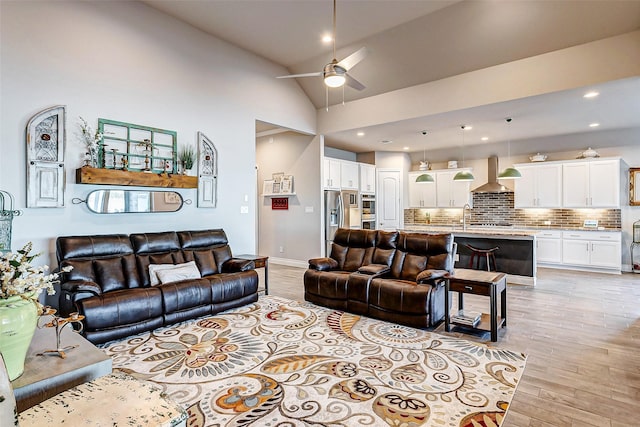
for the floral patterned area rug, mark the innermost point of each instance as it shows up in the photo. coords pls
(284, 363)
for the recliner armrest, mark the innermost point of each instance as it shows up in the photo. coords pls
(374, 269)
(323, 264)
(235, 265)
(426, 276)
(81, 286)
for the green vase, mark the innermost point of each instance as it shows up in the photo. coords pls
(18, 320)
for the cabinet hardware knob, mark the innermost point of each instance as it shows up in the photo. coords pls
(469, 288)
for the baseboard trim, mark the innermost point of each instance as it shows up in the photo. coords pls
(289, 262)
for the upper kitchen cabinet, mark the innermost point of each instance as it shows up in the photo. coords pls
(421, 195)
(450, 193)
(348, 175)
(367, 178)
(331, 174)
(593, 183)
(539, 187)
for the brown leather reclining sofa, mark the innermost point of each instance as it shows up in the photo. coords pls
(110, 283)
(393, 276)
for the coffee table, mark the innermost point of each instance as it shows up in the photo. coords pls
(478, 282)
(47, 375)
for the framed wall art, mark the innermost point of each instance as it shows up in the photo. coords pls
(46, 134)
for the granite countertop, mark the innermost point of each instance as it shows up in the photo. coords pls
(497, 231)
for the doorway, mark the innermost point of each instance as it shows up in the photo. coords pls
(389, 200)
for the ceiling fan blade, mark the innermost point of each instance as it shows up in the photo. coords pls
(353, 83)
(293, 76)
(352, 60)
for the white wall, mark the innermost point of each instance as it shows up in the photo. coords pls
(128, 62)
(296, 230)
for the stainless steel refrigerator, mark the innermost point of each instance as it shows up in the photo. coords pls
(335, 216)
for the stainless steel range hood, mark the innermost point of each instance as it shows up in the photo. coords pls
(493, 186)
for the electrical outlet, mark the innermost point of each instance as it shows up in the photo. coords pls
(281, 249)
(244, 209)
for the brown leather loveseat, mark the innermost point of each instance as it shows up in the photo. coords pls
(111, 285)
(393, 276)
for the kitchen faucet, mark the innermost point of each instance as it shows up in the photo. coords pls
(464, 216)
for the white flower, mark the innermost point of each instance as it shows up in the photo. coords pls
(19, 277)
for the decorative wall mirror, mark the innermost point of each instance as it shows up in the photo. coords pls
(634, 186)
(132, 201)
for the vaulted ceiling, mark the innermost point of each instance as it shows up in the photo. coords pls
(415, 42)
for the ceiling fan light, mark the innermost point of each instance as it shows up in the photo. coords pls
(510, 173)
(464, 176)
(334, 80)
(425, 178)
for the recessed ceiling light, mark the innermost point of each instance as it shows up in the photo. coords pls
(467, 127)
(386, 141)
(360, 133)
(591, 94)
(594, 125)
(405, 148)
(327, 38)
(484, 138)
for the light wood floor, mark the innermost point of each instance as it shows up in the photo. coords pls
(581, 332)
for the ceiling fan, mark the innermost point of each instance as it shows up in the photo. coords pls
(335, 73)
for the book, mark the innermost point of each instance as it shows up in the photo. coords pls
(469, 318)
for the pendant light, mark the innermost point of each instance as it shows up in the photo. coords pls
(463, 175)
(509, 173)
(424, 178)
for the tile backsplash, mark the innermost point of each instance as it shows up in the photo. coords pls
(499, 208)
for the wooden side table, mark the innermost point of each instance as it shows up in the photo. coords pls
(479, 282)
(47, 375)
(260, 261)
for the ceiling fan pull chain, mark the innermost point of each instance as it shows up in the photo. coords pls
(343, 94)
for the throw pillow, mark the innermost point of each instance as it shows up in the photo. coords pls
(154, 268)
(180, 272)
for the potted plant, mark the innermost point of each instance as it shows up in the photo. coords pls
(20, 285)
(187, 157)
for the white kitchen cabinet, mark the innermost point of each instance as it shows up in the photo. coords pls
(549, 246)
(591, 184)
(450, 193)
(592, 249)
(349, 175)
(331, 174)
(367, 178)
(421, 195)
(539, 187)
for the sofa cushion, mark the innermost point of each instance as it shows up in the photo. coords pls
(120, 308)
(144, 243)
(87, 247)
(163, 258)
(154, 269)
(202, 238)
(179, 296)
(353, 248)
(179, 273)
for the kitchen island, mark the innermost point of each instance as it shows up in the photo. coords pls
(516, 256)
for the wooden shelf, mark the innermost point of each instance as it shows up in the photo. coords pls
(99, 176)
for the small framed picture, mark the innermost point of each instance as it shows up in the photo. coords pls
(269, 185)
(287, 184)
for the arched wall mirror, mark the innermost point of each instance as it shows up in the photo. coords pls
(133, 201)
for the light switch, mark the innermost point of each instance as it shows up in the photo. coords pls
(246, 197)
(308, 209)
(244, 209)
